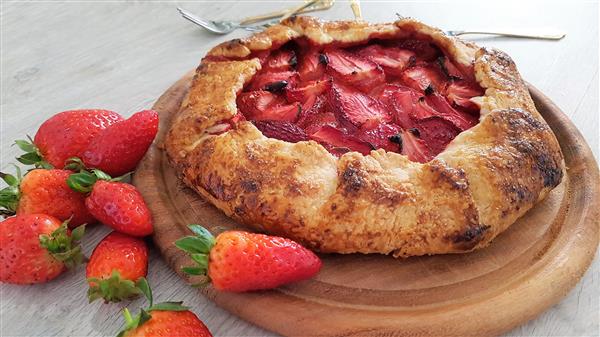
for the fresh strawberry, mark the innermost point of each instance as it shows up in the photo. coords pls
(116, 265)
(115, 204)
(119, 148)
(119, 206)
(308, 90)
(263, 105)
(167, 323)
(424, 50)
(412, 146)
(393, 60)
(355, 108)
(166, 319)
(333, 138)
(460, 93)
(378, 135)
(45, 192)
(312, 65)
(460, 119)
(241, 261)
(424, 79)
(281, 60)
(436, 132)
(285, 131)
(36, 248)
(65, 135)
(354, 70)
(273, 81)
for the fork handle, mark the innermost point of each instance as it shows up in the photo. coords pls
(318, 6)
(531, 35)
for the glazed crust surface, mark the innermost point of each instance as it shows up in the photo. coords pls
(487, 177)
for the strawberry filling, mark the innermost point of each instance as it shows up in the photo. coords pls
(402, 96)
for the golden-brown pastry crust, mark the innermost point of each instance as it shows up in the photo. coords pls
(488, 176)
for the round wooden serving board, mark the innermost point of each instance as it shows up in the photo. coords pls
(523, 272)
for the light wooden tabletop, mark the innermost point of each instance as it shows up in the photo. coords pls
(122, 56)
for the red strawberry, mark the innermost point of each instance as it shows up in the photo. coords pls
(117, 205)
(333, 138)
(166, 319)
(308, 90)
(281, 60)
(36, 248)
(273, 81)
(436, 132)
(355, 108)
(423, 79)
(312, 65)
(45, 192)
(461, 119)
(392, 60)
(424, 50)
(119, 148)
(169, 323)
(413, 147)
(241, 261)
(460, 94)
(65, 135)
(355, 70)
(378, 135)
(285, 131)
(116, 264)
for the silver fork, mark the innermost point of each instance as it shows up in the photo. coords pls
(529, 34)
(221, 27)
(226, 26)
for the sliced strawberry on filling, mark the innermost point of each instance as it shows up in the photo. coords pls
(285, 131)
(393, 60)
(424, 79)
(460, 93)
(263, 105)
(424, 50)
(355, 70)
(401, 102)
(312, 65)
(338, 141)
(460, 119)
(304, 91)
(413, 147)
(273, 81)
(354, 108)
(436, 132)
(379, 134)
(281, 60)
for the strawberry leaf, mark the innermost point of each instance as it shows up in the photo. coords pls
(82, 182)
(144, 287)
(32, 155)
(64, 246)
(113, 289)
(9, 196)
(169, 306)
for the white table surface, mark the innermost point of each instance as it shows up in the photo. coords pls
(122, 56)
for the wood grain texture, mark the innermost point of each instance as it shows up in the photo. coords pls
(525, 270)
(57, 55)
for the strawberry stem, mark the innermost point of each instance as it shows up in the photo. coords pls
(64, 246)
(32, 155)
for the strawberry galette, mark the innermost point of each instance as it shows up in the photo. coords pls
(351, 137)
